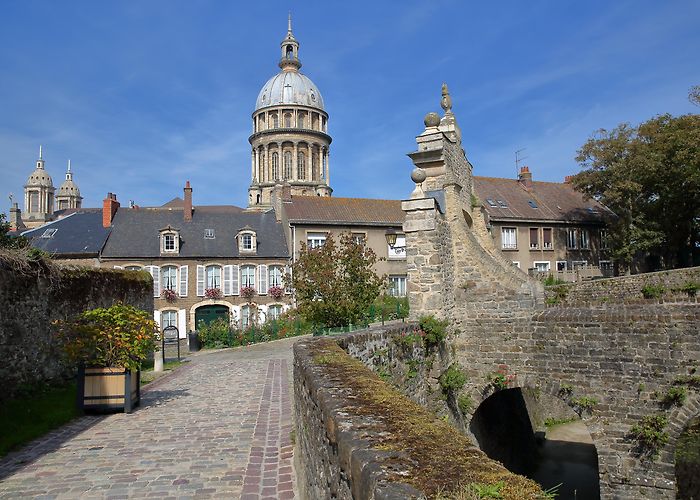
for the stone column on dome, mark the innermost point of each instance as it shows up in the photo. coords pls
(252, 163)
(328, 168)
(257, 164)
(267, 167)
(295, 162)
(309, 162)
(280, 162)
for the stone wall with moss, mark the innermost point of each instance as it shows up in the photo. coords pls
(361, 438)
(33, 294)
(667, 286)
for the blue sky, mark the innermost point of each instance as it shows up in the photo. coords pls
(143, 96)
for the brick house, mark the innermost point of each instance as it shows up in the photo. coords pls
(201, 259)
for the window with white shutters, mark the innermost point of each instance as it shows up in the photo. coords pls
(235, 283)
(228, 280)
(154, 271)
(183, 281)
(509, 238)
(201, 277)
(262, 280)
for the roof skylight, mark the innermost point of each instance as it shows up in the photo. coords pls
(502, 204)
(49, 233)
(532, 203)
(491, 202)
(208, 234)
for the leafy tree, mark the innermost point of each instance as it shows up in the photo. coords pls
(694, 95)
(649, 176)
(6, 240)
(335, 284)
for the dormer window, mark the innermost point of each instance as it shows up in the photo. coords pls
(169, 240)
(247, 241)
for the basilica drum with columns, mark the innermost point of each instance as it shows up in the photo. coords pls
(290, 141)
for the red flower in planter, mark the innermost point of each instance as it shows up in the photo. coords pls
(248, 292)
(276, 292)
(169, 295)
(212, 293)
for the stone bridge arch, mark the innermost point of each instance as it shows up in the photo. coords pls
(622, 355)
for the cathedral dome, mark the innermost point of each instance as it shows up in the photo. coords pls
(289, 87)
(68, 188)
(39, 178)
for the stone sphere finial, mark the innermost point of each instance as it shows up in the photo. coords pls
(418, 176)
(432, 120)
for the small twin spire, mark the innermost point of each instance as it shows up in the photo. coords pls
(290, 50)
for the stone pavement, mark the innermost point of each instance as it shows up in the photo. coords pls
(218, 428)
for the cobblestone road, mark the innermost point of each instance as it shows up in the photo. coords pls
(219, 428)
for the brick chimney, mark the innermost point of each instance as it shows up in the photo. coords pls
(109, 208)
(525, 177)
(15, 220)
(187, 210)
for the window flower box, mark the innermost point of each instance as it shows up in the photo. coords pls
(276, 292)
(169, 295)
(213, 293)
(248, 292)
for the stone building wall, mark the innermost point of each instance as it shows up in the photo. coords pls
(626, 289)
(33, 296)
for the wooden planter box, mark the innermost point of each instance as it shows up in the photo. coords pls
(108, 389)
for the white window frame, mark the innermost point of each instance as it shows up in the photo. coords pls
(516, 263)
(397, 285)
(273, 278)
(244, 269)
(549, 265)
(247, 242)
(571, 237)
(169, 282)
(536, 244)
(210, 281)
(274, 307)
(506, 244)
(165, 323)
(316, 239)
(165, 238)
(575, 264)
(604, 239)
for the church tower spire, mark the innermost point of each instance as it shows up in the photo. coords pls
(38, 193)
(68, 195)
(290, 50)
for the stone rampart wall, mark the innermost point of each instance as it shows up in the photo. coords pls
(625, 357)
(362, 439)
(34, 295)
(626, 289)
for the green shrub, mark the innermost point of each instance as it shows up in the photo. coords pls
(552, 280)
(435, 330)
(583, 404)
(653, 291)
(691, 288)
(675, 395)
(650, 433)
(452, 379)
(566, 390)
(215, 334)
(465, 403)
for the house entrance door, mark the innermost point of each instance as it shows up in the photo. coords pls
(210, 313)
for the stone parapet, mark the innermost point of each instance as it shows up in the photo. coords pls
(362, 439)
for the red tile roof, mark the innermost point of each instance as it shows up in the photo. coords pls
(553, 201)
(356, 211)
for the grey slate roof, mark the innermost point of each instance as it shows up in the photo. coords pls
(135, 233)
(78, 234)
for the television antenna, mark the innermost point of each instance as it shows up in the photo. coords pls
(518, 159)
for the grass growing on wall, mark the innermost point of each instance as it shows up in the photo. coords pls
(34, 413)
(439, 457)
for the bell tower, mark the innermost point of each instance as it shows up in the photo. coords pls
(38, 194)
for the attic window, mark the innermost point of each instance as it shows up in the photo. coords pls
(532, 203)
(502, 204)
(247, 241)
(491, 202)
(208, 234)
(169, 240)
(49, 233)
